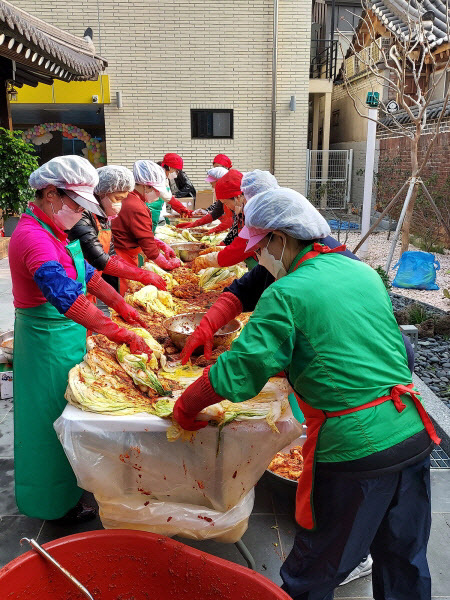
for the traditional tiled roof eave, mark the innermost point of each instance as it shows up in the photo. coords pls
(433, 112)
(70, 54)
(393, 14)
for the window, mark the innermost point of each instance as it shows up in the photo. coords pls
(211, 123)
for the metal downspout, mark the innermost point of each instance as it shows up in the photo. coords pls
(274, 86)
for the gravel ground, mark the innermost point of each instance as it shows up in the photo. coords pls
(378, 251)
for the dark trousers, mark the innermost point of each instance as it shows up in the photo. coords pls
(388, 515)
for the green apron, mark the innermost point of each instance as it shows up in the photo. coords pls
(155, 208)
(46, 346)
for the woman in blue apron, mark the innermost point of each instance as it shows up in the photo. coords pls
(50, 278)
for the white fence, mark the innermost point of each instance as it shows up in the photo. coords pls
(329, 176)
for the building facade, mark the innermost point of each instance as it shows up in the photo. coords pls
(170, 58)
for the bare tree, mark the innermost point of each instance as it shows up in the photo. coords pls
(409, 72)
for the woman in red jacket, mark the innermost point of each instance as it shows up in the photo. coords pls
(132, 228)
(251, 184)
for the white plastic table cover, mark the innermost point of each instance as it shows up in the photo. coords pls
(199, 489)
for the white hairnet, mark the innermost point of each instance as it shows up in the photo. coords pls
(147, 172)
(216, 173)
(288, 211)
(64, 171)
(113, 178)
(257, 181)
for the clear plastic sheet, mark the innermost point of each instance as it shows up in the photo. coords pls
(143, 481)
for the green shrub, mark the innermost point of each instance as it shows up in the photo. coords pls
(427, 244)
(18, 161)
(384, 277)
(417, 314)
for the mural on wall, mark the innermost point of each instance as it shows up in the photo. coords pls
(95, 150)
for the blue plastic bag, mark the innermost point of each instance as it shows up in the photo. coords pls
(417, 270)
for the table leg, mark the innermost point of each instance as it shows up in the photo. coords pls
(245, 552)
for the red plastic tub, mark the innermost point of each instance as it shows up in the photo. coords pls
(131, 565)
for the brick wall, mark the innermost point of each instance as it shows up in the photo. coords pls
(168, 56)
(395, 162)
(394, 169)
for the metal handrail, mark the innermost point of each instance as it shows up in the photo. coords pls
(325, 61)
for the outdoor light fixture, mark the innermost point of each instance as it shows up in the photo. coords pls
(11, 43)
(13, 94)
(2, 38)
(293, 104)
(119, 99)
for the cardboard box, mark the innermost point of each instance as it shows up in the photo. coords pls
(4, 243)
(204, 199)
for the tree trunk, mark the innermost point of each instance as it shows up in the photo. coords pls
(410, 209)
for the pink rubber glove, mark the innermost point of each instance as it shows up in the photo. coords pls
(202, 221)
(167, 265)
(88, 315)
(195, 398)
(168, 251)
(119, 268)
(105, 292)
(179, 207)
(226, 308)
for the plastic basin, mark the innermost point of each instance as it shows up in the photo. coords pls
(131, 565)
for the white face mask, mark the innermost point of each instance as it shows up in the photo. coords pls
(111, 208)
(239, 206)
(172, 175)
(66, 218)
(151, 196)
(274, 266)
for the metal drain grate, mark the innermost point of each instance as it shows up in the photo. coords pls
(440, 459)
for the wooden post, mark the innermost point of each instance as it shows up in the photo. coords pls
(5, 109)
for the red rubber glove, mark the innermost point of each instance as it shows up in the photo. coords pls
(202, 221)
(168, 251)
(167, 264)
(87, 314)
(119, 268)
(226, 308)
(105, 292)
(195, 398)
(180, 207)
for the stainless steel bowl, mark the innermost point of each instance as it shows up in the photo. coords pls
(187, 251)
(181, 326)
(175, 219)
(4, 337)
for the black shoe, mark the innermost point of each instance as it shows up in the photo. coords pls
(78, 514)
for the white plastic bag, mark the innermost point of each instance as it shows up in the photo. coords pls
(139, 478)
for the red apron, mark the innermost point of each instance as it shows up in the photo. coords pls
(315, 418)
(104, 236)
(130, 256)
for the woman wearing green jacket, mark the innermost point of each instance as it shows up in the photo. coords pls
(365, 485)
